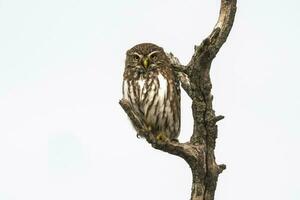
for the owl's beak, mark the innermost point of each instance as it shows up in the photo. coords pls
(146, 62)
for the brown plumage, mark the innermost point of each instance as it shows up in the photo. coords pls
(152, 89)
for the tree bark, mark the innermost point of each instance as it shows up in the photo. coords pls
(195, 80)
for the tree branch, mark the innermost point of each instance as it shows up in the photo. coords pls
(195, 80)
(184, 150)
(181, 72)
(207, 50)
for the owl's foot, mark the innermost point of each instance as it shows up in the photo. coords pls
(161, 137)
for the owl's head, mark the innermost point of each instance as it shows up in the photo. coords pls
(146, 56)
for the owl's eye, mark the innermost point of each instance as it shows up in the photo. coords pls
(153, 57)
(136, 57)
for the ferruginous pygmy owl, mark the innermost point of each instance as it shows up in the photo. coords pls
(151, 87)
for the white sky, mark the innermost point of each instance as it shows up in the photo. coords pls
(64, 136)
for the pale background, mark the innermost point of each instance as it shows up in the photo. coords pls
(63, 135)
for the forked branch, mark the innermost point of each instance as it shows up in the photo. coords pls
(195, 80)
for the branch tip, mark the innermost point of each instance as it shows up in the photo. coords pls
(221, 168)
(218, 118)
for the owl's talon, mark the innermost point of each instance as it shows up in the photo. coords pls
(161, 137)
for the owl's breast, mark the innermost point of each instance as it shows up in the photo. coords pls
(152, 89)
(162, 87)
(153, 98)
(156, 99)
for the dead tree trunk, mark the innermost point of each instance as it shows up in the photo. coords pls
(195, 80)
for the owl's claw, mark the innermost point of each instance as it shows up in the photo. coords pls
(161, 137)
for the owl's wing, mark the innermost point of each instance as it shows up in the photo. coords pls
(129, 94)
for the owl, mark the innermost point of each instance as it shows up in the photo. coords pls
(152, 89)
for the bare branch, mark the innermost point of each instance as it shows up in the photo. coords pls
(182, 74)
(184, 150)
(221, 168)
(195, 80)
(207, 50)
(218, 118)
